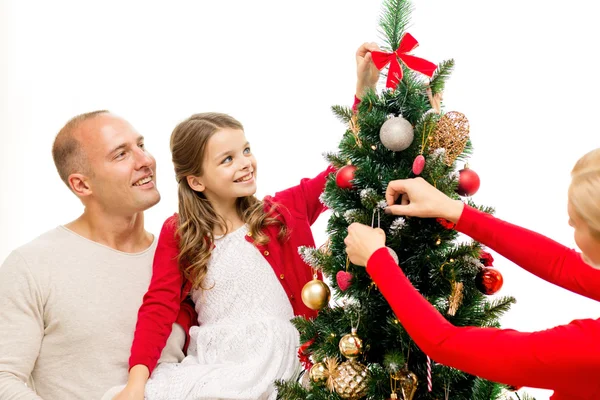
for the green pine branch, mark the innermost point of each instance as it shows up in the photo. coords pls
(486, 390)
(494, 309)
(344, 114)
(441, 74)
(394, 20)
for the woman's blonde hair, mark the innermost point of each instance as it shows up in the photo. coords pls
(197, 217)
(584, 192)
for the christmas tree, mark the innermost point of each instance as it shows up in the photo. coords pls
(357, 348)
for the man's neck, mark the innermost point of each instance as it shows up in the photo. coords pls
(123, 233)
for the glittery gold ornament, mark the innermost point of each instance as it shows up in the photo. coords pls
(354, 128)
(326, 247)
(351, 380)
(456, 298)
(331, 364)
(351, 345)
(451, 134)
(318, 373)
(316, 294)
(408, 383)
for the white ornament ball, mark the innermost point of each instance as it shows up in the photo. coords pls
(396, 134)
(394, 255)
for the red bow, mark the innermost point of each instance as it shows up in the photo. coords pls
(407, 44)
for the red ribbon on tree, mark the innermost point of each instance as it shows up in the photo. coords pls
(407, 43)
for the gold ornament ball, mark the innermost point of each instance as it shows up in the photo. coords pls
(351, 380)
(351, 345)
(318, 373)
(316, 294)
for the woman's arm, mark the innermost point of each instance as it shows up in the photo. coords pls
(533, 252)
(556, 358)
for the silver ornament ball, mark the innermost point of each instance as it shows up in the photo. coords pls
(394, 255)
(396, 134)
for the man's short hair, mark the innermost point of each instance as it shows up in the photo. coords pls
(67, 151)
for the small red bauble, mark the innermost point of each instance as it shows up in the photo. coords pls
(344, 280)
(489, 281)
(468, 182)
(445, 223)
(418, 164)
(344, 176)
(486, 258)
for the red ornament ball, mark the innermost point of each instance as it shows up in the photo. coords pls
(489, 281)
(344, 176)
(418, 164)
(468, 182)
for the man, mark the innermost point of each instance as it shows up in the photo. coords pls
(69, 298)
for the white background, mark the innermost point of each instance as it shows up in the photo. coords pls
(525, 77)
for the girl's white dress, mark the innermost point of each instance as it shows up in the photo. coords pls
(245, 340)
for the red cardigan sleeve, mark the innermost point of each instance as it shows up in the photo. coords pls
(161, 304)
(560, 358)
(305, 197)
(533, 252)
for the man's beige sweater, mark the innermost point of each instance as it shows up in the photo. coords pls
(68, 308)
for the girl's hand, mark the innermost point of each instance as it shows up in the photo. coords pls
(367, 73)
(131, 392)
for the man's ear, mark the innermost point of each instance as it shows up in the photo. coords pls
(195, 183)
(80, 185)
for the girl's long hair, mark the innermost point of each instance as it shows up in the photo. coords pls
(197, 217)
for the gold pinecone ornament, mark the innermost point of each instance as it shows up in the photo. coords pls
(351, 378)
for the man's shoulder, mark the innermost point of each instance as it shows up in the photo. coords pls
(50, 245)
(47, 241)
(47, 246)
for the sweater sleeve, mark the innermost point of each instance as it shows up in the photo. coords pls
(557, 358)
(161, 304)
(305, 197)
(21, 328)
(533, 252)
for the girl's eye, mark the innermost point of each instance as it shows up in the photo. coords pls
(226, 160)
(247, 150)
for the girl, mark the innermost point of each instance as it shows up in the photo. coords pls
(566, 358)
(238, 258)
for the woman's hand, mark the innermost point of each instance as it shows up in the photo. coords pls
(362, 241)
(418, 198)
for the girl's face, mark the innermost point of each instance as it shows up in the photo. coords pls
(585, 240)
(229, 167)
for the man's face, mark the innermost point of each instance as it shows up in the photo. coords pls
(122, 176)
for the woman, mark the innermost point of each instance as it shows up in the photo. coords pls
(566, 358)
